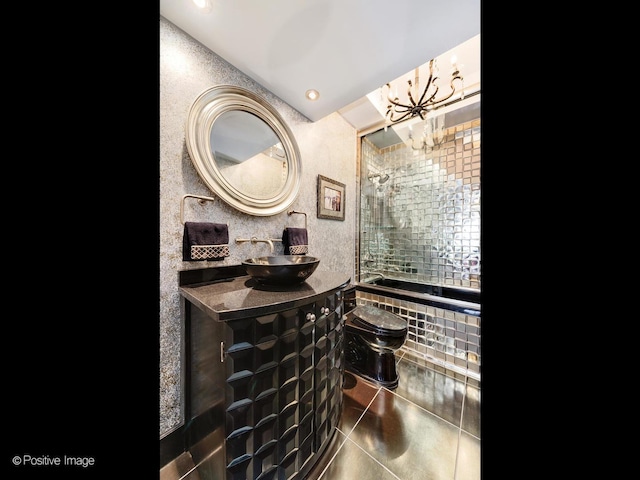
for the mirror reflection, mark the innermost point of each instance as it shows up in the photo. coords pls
(248, 154)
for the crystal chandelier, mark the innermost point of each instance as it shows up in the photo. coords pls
(419, 104)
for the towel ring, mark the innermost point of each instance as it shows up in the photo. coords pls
(201, 201)
(301, 213)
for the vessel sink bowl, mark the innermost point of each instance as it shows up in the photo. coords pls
(281, 269)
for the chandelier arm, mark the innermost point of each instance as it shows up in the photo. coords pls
(413, 103)
(440, 100)
(398, 104)
(400, 108)
(395, 101)
(453, 89)
(431, 100)
(389, 92)
(457, 77)
(391, 111)
(431, 80)
(406, 114)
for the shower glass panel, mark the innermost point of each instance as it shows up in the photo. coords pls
(420, 203)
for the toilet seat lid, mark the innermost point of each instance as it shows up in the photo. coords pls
(381, 320)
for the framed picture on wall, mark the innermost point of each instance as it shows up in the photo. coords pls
(331, 201)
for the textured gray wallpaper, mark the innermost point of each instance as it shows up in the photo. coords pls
(327, 147)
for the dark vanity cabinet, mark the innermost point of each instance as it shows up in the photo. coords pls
(264, 385)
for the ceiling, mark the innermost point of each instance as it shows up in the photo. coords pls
(345, 49)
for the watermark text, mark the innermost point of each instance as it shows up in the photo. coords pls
(52, 461)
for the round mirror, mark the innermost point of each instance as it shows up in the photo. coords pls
(243, 150)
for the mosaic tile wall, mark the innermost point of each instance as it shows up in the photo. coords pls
(423, 223)
(444, 337)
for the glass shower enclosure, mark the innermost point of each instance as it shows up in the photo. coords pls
(419, 205)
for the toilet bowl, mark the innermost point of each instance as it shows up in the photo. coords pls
(372, 336)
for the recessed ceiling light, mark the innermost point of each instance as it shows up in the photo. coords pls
(312, 94)
(203, 5)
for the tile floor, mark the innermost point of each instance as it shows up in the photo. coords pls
(428, 428)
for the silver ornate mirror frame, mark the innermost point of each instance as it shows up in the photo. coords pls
(207, 108)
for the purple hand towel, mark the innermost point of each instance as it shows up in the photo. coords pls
(295, 241)
(205, 241)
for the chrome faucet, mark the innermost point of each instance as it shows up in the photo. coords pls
(373, 277)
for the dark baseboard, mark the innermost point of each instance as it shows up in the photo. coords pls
(172, 445)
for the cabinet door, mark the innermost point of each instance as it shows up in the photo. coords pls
(269, 393)
(205, 401)
(329, 368)
(283, 389)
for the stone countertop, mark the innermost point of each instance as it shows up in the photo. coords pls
(241, 297)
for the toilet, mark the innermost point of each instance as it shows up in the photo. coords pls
(372, 336)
